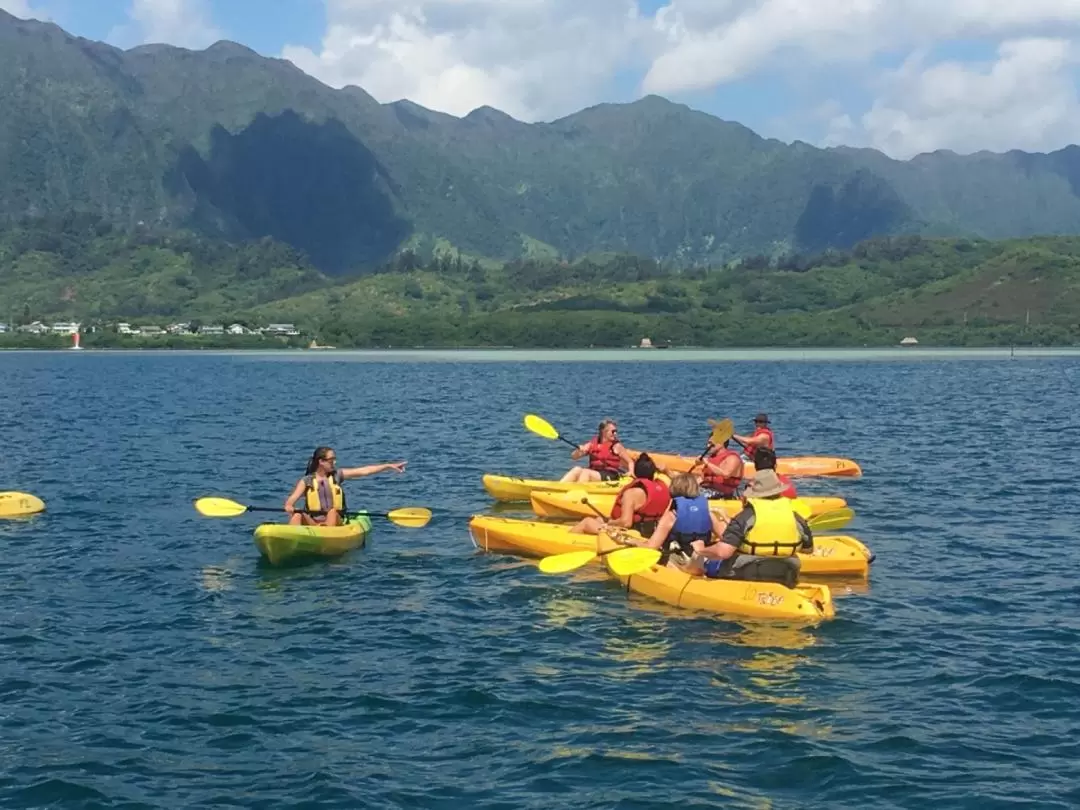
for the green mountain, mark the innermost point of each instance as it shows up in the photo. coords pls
(226, 142)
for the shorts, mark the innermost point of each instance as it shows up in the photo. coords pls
(609, 475)
(645, 527)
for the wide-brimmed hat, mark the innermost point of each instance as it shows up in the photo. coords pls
(766, 484)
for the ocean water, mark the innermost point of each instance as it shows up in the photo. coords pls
(148, 659)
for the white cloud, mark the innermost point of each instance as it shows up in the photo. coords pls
(185, 23)
(23, 10)
(1025, 99)
(718, 42)
(540, 59)
(530, 58)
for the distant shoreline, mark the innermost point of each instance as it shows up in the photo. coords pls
(510, 354)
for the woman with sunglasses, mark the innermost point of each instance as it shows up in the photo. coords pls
(324, 503)
(608, 459)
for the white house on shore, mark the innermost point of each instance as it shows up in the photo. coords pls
(909, 341)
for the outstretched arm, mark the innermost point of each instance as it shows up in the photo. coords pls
(372, 469)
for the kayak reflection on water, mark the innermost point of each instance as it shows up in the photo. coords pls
(321, 488)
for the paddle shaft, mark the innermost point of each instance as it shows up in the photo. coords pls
(315, 512)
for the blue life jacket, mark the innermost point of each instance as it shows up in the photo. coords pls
(692, 517)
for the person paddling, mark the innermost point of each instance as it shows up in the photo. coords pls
(638, 506)
(722, 472)
(321, 488)
(608, 458)
(761, 437)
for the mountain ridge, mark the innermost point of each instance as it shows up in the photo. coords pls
(242, 146)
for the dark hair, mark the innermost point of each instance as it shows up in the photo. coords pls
(316, 457)
(644, 467)
(764, 458)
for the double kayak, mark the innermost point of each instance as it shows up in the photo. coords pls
(793, 466)
(569, 504)
(833, 555)
(280, 542)
(769, 600)
(19, 504)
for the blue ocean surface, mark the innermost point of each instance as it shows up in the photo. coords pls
(149, 659)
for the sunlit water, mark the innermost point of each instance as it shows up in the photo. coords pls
(147, 659)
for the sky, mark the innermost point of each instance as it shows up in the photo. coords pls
(903, 76)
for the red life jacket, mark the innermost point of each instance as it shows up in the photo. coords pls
(726, 487)
(603, 456)
(789, 488)
(764, 431)
(657, 500)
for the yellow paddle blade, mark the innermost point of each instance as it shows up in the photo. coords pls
(627, 561)
(561, 563)
(834, 519)
(721, 431)
(19, 504)
(541, 427)
(414, 517)
(219, 507)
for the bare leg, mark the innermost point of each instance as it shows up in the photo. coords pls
(296, 519)
(333, 518)
(589, 525)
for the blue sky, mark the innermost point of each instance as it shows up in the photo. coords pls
(904, 76)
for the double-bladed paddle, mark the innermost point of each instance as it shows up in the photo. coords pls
(413, 517)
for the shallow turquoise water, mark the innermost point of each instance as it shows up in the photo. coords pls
(148, 660)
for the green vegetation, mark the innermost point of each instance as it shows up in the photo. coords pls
(942, 291)
(228, 144)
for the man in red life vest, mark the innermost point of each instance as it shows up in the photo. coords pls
(638, 506)
(761, 437)
(722, 473)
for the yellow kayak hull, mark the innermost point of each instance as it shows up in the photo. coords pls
(833, 555)
(563, 505)
(765, 600)
(509, 488)
(279, 542)
(19, 504)
(793, 466)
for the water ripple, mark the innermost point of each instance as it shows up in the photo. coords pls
(149, 659)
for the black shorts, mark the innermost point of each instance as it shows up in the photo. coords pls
(609, 475)
(645, 527)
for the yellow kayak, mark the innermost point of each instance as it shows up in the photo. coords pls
(568, 505)
(769, 600)
(280, 542)
(833, 555)
(793, 466)
(19, 504)
(508, 488)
